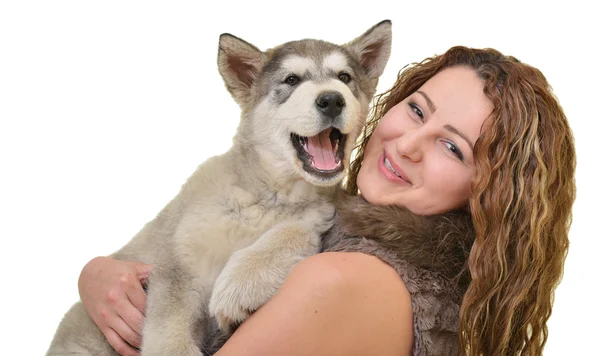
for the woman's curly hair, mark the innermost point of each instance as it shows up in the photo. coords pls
(521, 199)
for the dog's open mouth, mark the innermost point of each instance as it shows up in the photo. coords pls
(323, 153)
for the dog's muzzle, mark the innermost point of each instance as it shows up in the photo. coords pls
(323, 154)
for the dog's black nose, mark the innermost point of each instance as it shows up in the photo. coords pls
(330, 103)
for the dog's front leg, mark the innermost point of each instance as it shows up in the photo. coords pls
(173, 314)
(254, 274)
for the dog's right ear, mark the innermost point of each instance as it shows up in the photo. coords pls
(373, 48)
(239, 64)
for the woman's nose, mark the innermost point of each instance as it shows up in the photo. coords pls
(410, 144)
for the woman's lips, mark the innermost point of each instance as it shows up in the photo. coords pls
(391, 171)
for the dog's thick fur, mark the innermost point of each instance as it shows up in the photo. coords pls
(223, 246)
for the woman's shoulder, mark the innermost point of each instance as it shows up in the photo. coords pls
(365, 298)
(435, 300)
(352, 272)
(332, 303)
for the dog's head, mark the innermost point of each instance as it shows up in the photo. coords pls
(304, 102)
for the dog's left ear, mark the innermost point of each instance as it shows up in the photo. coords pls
(239, 64)
(373, 48)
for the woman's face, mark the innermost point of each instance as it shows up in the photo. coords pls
(421, 154)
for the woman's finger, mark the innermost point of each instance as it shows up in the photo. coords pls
(120, 346)
(132, 316)
(126, 332)
(137, 296)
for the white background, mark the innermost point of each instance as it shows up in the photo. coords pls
(107, 107)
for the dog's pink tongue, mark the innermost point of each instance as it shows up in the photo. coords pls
(320, 148)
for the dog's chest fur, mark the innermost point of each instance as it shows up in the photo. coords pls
(223, 214)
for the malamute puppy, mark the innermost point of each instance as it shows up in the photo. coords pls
(223, 246)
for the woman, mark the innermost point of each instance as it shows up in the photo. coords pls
(462, 188)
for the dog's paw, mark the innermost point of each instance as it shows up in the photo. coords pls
(226, 309)
(244, 285)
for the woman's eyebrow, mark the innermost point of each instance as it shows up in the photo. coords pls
(432, 107)
(450, 128)
(464, 137)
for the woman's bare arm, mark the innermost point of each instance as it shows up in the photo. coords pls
(335, 303)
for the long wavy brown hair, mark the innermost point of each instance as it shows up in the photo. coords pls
(521, 199)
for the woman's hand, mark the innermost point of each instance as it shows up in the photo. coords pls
(112, 294)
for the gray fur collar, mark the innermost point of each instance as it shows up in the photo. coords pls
(430, 254)
(438, 243)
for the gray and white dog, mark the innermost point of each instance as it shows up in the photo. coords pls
(224, 245)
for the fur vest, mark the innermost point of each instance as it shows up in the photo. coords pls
(429, 253)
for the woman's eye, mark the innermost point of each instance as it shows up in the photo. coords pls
(415, 108)
(345, 77)
(454, 149)
(292, 80)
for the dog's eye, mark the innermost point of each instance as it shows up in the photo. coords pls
(292, 80)
(345, 77)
